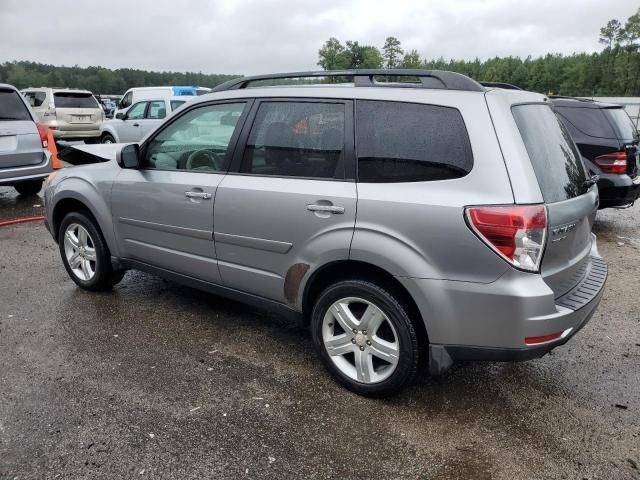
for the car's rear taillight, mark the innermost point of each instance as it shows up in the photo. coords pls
(42, 130)
(516, 233)
(615, 162)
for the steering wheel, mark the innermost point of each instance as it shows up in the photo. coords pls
(203, 160)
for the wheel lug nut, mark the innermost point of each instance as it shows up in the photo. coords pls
(353, 340)
(361, 348)
(355, 331)
(364, 332)
(368, 342)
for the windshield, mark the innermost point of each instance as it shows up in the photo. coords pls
(554, 156)
(12, 107)
(75, 100)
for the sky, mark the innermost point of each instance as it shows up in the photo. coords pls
(252, 36)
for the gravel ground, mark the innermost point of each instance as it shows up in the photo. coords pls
(155, 380)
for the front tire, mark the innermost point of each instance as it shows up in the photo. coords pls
(365, 338)
(85, 254)
(29, 188)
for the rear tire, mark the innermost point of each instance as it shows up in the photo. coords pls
(107, 138)
(85, 254)
(29, 188)
(365, 338)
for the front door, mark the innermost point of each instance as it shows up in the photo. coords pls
(130, 127)
(163, 212)
(289, 206)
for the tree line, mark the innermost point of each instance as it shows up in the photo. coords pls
(99, 80)
(615, 71)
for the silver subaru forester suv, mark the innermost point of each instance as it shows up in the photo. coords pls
(412, 223)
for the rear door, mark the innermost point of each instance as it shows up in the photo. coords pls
(20, 144)
(79, 109)
(571, 202)
(289, 206)
(156, 112)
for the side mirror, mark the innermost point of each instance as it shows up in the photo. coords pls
(120, 116)
(129, 156)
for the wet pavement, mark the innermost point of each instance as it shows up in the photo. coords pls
(156, 380)
(14, 206)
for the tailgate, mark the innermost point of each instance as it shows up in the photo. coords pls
(570, 199)
(20, 144)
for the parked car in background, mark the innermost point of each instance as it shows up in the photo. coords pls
(71, 114)
(109, 107)
(608, 142)
(138, 120)
(24, 158)
(472, 239)
(134, 95)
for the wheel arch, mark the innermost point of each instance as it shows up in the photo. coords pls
(336, 271)
(73, 201)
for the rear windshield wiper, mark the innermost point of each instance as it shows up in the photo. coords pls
(8, 118)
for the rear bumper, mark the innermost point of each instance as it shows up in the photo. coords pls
(618, 190)
(12, 176)
(470, 321)
(72, 134)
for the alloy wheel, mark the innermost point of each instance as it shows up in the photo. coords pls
(360, 340)
(80, 251)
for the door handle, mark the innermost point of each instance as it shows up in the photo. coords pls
(202, 195)
(313, 207)
(136, 124)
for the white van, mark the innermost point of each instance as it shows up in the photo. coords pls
(137, 94)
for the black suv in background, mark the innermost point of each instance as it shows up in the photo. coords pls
(608, 142)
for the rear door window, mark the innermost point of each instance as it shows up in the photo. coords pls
(296, 139)
(407, 142)
(12, 107)
(74, 100)
(589, 121)
(554, 156)
(35, 99)
(156, 110)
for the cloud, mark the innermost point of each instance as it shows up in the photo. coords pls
(252, 36)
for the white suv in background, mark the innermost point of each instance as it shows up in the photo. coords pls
(139, 119)
(70, 113)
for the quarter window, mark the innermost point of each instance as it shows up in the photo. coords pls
(197, 141)
(157, 110)
(407, 142)
(289, 139)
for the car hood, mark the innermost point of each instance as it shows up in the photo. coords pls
(83, 154)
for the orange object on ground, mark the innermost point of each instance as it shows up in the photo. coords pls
(20, 220)
(51, 145)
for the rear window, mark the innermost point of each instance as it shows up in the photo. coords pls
(407, 142)
(12, 107)
(35, 99)
(554, 156)
(75, 100)
(622, 123)
(589, 121)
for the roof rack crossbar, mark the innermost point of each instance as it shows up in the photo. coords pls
(367, 78)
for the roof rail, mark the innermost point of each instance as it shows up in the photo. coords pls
(506, 86)
(439, 79)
